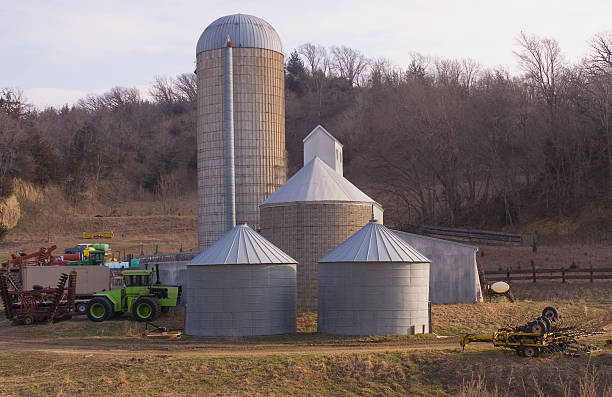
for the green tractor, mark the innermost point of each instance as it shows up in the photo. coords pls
(140, 297)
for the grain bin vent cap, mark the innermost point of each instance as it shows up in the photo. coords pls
(317, 181)
(244, 30)
(242, 246)
(374, 243)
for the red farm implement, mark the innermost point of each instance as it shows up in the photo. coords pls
(42, 257)
(39, 304)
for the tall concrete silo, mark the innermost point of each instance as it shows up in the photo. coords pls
(313, 212)
(241, 122)
(241, 285)
(374, 283)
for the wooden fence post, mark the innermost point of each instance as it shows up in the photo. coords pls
(591, 270)
(563, 274)
(508, 275)
(533, 271)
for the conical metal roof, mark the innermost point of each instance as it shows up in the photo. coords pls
(317, 181)
(242, 246)
(243, 30)
(374, 243)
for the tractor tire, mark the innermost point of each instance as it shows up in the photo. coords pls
(99, 309)
(530, 351)
(28, 319)
(550, 313)
(145, 308)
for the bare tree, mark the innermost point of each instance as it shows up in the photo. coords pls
(469, 73)
(163, 90)
(448, 72)
(316, 56)
(382, 71)
(599, 76)
(187, 87)
(543, 65)
(349, 63)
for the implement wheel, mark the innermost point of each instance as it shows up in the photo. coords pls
(546, 322)
(81, 307)
(550, 313)
(530, 351)
(28, 319)
(145, 308)
(537, 327)
(99, 309)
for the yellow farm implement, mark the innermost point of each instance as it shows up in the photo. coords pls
(538, 336)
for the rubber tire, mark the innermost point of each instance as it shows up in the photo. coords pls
(153, 304)
(81, 307)
(520, 352)
(530, 351)
(28, 319)
(547, 322)
(537, 327)
(550, 313)
(108, 309)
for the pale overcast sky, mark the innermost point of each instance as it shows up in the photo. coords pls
(58, 51)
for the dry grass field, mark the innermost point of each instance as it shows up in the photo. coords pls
(81, 358)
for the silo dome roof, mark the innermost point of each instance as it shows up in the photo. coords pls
(317, 181)
(374, 243)
(242, 246)
(244, 31)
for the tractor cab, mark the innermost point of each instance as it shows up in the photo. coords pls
(138, 278)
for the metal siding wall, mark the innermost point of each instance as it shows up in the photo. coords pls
(259, 125)
(307, 232)
(172, 273)
(454, 278)
(240, 300)
(373, 298)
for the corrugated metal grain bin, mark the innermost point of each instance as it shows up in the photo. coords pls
(259, 121)
(241, 286)
(313, 212)
(374, 284)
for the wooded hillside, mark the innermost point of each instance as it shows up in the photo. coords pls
(440, 141)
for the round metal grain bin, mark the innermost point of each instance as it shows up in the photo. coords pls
(374, 284)
(313, 212)
(240, 286)
(258, 121)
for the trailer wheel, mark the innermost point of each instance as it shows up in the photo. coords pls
(550, 313)
(531, 351)
(99, 309)
(145, 308)
(28, 319)
(81, 307)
